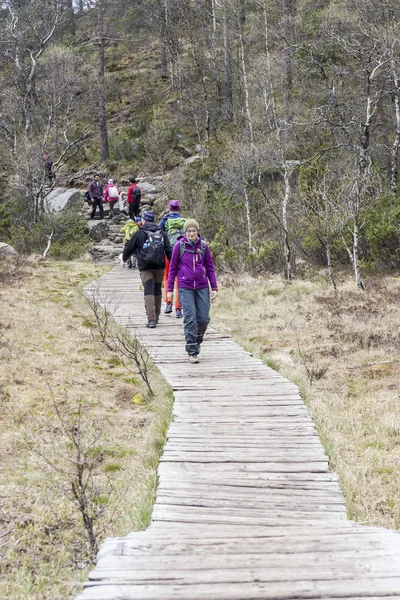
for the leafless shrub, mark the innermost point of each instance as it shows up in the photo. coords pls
(72, 445)
(126, 347)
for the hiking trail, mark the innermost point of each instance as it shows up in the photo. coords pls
(246, 505)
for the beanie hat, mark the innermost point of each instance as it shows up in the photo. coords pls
(148, 215)
(132, 179)
(191, 223)
(174, 205)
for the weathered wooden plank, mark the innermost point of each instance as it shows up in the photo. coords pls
(252, 590)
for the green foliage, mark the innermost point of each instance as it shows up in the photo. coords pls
(69, 241)
(267, 257)
(382, 235)
(8, 213)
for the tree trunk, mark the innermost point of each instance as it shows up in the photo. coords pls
(228, 69)
(246, 88)
(249, 233)
(286, 243)
(330, 267)
(104, 150)
(288, 7)
(356, 264)
(396, 143)
(163, 41)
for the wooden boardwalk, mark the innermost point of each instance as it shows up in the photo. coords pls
(246, 507)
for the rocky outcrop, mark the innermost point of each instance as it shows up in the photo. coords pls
(109, 247)
(98, 230)
(7, 251)
(63, 198)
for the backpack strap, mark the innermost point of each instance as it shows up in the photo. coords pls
(182, 249)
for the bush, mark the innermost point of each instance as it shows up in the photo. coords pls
(70, 238)
(381, 238)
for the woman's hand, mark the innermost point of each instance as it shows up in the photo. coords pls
(169, 296)
(214, 294)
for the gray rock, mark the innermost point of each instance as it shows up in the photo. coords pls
(118, 239)
(119, 218)
(7, 251)
(98, 230)
(63, 198)
(150, 199)
(147, 188)
(86, 175)
(192, 159)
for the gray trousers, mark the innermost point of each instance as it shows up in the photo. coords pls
(196, 316)
(152, 282)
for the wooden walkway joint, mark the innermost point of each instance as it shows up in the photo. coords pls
(246, 506)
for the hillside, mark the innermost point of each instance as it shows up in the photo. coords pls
(292, 108)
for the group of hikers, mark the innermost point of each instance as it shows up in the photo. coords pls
(97, 195)
(173, 253)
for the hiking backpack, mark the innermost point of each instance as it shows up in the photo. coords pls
(113, 192)
(136, 194)
(153, 251)
(183, 249)
(174, 229)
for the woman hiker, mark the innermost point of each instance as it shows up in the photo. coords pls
(111, 195)
(192, 263)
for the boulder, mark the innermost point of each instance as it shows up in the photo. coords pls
(147, 188)
(7, 251)
(150, 199)
(63, 198)
(98, 230)
(85, 176)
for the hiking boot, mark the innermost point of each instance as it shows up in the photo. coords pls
(193, 358)
(151, 324)
(178, 313)
(168, 308)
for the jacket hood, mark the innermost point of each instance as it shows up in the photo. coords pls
(149, 226)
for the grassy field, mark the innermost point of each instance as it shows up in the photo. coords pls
(343, 351)
(52, 370)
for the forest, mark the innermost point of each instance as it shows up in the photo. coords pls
(293, 106)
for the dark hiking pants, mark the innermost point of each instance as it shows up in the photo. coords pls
(196, 316)
(152, 282)
(97, 202)
(133, 209)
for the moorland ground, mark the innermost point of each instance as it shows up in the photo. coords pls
(343, 350)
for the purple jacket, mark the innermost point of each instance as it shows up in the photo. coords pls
(96, 190)
(193, 273)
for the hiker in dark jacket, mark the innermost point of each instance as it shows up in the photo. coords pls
(96, 192)
(151, 273)
(193, 264)
(174, 213)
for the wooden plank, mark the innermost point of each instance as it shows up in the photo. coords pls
(252, 590)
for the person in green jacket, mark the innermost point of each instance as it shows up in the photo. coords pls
(128, 230)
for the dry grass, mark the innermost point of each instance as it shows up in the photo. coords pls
(47, 352)
(344, 353)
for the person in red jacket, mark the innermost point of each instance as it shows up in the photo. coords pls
(134, 198)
